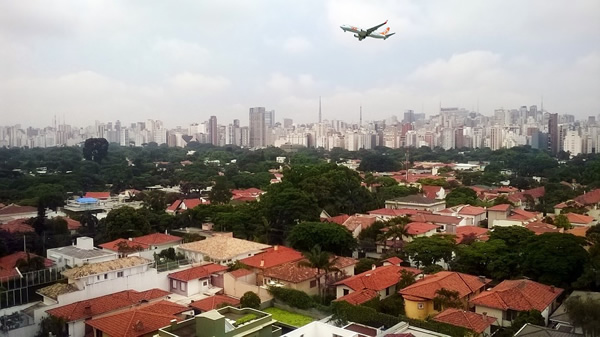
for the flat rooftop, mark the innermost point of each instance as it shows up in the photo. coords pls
(79, 253)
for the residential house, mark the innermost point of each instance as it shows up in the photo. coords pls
(221, 249)
(591, 199)
(510, 297)
(541, 227)
(222, 323)
(72, 225)
(413, 230)
(293, 276)
(580, 219)
(144, 246)
(385, 214)
(433, 192)
(527, 199)
(80, 253)
(447, 223)
(416, 202)
(240, 281)
(357, 222)
(246, 195)
(14, 211)
(378, 281)
(531, 330)
(473, 215)
(271, 257)
(567, 204)
(202, 279)
(141, 321)
(214, 302)
(480, 324)
(560, 319)
(338, 219)
(77, 313)
(17, 226)
(102, 278)
(179, 206)
(320, 329)
(498, 212)
(419, 297)
(9, 264)
(580, 231)
(104, 196)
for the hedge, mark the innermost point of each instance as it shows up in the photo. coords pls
(295, 298)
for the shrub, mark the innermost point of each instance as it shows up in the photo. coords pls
(295, 298)
(250, 300)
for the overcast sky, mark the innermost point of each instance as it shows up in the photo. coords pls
(182, 61)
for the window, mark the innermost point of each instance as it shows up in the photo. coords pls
(205, 283)
(420, 306)
(106, 276)
(313, 283)
(182, 286)
(98, 277)
(173, 284)
(346, 292)
(387, 291)
(119, 274)
(437, 306)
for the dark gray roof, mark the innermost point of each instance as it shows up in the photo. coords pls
(531, 330)
(417, 199)
(560, 314)
(79, 253)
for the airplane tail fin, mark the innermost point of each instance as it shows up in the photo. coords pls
(388, 35)
(385, 31)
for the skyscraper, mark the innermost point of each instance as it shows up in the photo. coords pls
(270, 118)
(257, 132)
(213, 131)
(553, 139)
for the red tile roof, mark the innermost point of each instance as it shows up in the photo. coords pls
(431, 191)
(104, 304)
(114, 245)
(9, 262)
(339, 219)
(519, 295)
(294, 273)
(480, 234)
(520, 214)
(16, 209)
(192, 203)
(425, 288)
(589, 198)
(17, 226)
(416, 228)
(174, 206)
(395, 212)
(72, 225)
(273, 257)
(214, 302)
(97, 195)
(137, 322)
(471, 210)
(436, 218)
(541, 228)
(394, 260)
(358, 297)
(575, 218)
(501, 208)
(156, 239)
(579, 231)
(240, 273)
(377, 279)
(365, 221)
(466, 319)
(197, 272)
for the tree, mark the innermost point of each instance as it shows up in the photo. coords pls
(461, 196)
(320, 260)
(426, 251)
(155, 200)
(445, 298)
(524, 317)
(494, 259)
(250, 300)
(561, 221)
(95, 149)
(378, 163)
(555, 258)
(30, 263)
(220, 193)
(331, 237)
(89, 223)
(513, 236)
(57, 326)
(501, 200)
(396, 234)
(125, 222)
(584, 314)
(407, 278)
(364, 265)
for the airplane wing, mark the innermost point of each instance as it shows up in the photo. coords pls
(372, 29)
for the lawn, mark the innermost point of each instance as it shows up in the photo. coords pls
(287, 317)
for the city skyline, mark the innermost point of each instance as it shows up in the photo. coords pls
(189, 62)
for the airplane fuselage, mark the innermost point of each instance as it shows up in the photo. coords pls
(361, 34)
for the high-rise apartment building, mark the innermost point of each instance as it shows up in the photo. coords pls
(213, 131)
(573, 143)
(258, 128)
(553, 137)
(270, 118)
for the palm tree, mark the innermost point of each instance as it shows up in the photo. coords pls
(319, 260)
(394, 233)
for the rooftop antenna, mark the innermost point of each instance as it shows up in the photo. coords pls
(542, 107)
(360, 123)
(319, 109)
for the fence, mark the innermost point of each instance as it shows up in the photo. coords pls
(170, 265)
(20, 290)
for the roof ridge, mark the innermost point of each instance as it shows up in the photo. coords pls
(465, 282)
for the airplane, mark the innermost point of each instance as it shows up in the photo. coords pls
(361, 34)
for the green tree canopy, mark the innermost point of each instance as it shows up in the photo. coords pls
(426, 251)
(461, 196)
(125, 222)
(329, 236)
(250, 300)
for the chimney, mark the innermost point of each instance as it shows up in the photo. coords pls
(482, 278)
(87, 309)
(262, 262)
(373, 267)
(139, 326)
(552, 288)
(275, 247)
(130, 239)
(484, 314)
